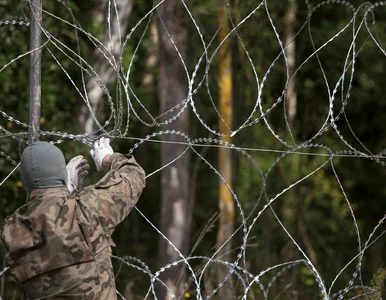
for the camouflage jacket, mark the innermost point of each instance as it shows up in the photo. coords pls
(59, 245)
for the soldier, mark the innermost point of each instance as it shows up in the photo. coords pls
(59, 243)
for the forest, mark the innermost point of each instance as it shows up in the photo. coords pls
(258, 123)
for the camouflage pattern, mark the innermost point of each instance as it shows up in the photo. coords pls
(59, 245)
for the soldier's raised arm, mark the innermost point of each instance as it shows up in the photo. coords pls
(114, 196)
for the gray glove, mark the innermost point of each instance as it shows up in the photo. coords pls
(76, 173)
(101, 149)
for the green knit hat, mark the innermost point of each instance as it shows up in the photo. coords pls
(43, 166)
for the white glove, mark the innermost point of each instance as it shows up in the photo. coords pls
(76, 172)
(101, 149)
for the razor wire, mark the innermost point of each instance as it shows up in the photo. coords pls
(361, 20)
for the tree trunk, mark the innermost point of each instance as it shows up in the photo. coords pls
(291, 208)
(226, 203)
(173, 88)
(290, 51)
(107, 73)
(149, 85)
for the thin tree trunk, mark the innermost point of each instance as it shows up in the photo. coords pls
(291, 208)
(226, 203)
(290, 51)
(173, 88)
(106, 72)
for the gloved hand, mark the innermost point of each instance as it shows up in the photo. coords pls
(76, 172)
(101, 149)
